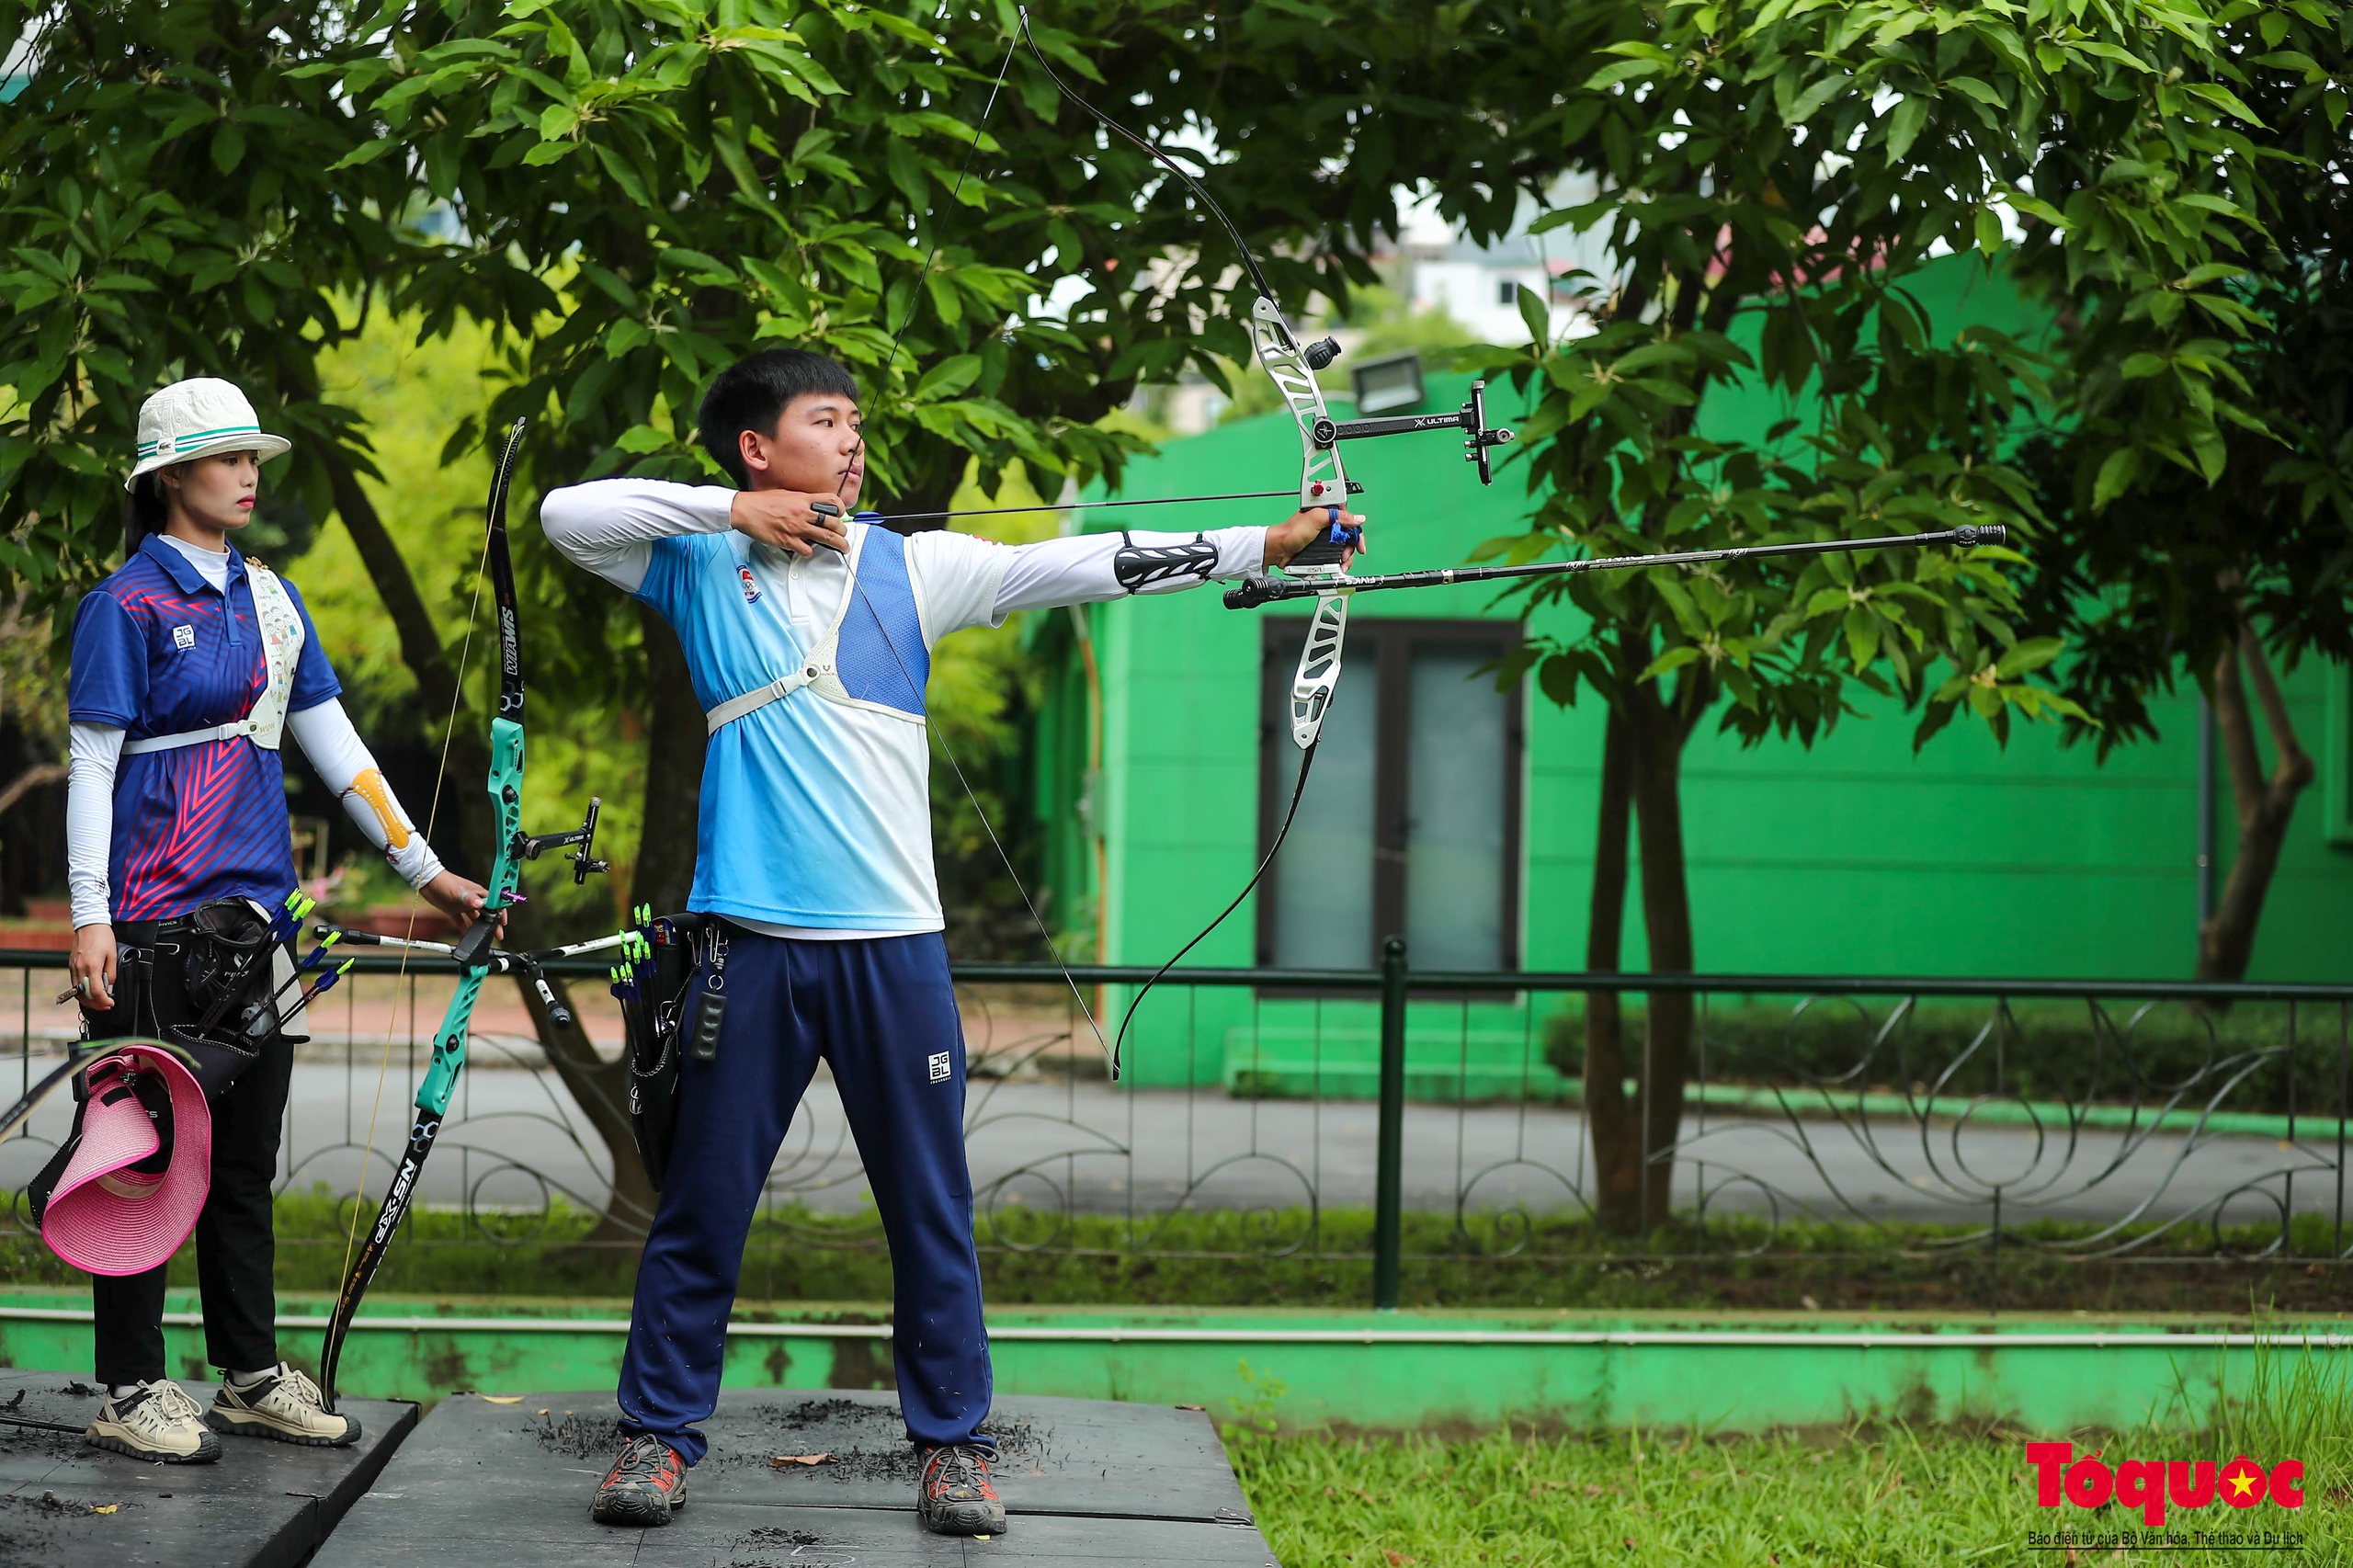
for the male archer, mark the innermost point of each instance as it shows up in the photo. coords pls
(808, 639)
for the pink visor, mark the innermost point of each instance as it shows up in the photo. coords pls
(106, 1217)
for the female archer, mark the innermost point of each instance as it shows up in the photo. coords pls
(189, 665)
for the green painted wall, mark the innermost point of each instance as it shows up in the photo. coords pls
(1857, 855)
(1395, 1371)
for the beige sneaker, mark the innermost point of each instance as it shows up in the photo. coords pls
(286, 1405)
(158, 1422)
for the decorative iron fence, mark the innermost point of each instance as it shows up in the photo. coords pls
(2048, 1117)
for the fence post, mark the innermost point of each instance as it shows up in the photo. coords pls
(1389, 1176)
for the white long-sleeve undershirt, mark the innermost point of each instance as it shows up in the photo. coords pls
(327, 738)
(610, 526)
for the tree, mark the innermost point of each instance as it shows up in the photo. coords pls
(633, 193)
(1774, 176)
(2225, 556)
(645, 192)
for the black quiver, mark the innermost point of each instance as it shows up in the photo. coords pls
(652, 992)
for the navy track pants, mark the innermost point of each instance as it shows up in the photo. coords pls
(882, 1014)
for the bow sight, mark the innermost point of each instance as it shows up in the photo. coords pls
(1478, 438)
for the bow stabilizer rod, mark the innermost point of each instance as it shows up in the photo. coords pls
(1256, 591)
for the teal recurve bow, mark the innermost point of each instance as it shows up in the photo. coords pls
(472, 952)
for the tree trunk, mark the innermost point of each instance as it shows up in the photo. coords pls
(666, 854)
(467, 757)
(2265, 804)
(600, 1088)
(1658, 732)
(1610, 1114)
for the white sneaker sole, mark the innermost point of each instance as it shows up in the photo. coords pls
(245, 1424)
(207, 1449)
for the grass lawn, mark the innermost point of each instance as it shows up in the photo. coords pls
(1841, 1500)
(1838, 1499)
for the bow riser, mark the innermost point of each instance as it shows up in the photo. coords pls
(440, 1079)
(1323, 482)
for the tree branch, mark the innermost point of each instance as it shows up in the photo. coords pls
(2234, 732)
(2293, 769)
(31, 779)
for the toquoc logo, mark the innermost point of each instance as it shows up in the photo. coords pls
(2149, 1484)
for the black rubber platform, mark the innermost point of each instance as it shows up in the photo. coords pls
(1085, 1482)
(262, 1505)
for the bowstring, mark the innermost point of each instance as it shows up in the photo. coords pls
(1266, 291)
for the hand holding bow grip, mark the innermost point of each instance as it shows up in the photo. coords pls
(1331, 547)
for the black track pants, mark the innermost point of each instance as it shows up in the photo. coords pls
(236, 1248)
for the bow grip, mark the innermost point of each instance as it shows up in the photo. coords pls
(468, 953)
(1331, 547)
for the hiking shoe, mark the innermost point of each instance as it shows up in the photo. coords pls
(645, 1487)
(954, 1496)
(285, 1406)
(157, 1421)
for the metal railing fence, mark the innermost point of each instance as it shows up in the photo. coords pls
(2066, 1118)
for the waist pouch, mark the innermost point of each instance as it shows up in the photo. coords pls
(653, 994)
(210, 973)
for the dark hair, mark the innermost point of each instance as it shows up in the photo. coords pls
(752, 393)
(146, 511)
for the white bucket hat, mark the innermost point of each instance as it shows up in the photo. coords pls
(195, 418)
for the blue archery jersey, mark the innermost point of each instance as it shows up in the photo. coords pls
(816, 809)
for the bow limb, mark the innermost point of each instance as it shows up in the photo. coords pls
(440, 1081)
(1291, 364)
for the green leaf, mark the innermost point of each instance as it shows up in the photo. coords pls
(950, 377)
(2116, 476)
(1989, 230)
(1624, 71)
(1673, 659)
(624, 335)
(2028, 656)
(1904, 127)
(366, 153)
(1862, 635)
(2221, 98)
(1534, 315)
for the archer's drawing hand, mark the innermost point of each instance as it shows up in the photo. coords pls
(1305, 526)
(93, 966)
(459, 899)
(788, 519)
